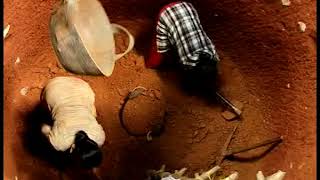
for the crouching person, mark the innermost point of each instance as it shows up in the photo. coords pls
(75, 128)
(178, 30)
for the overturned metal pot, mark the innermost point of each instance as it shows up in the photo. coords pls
(82, 37)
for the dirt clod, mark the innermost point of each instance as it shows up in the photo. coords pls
(157, 94)
(201, 135)
(122, 92)
(228, 115)
(202, 125)
(151, 94)
(195, 133)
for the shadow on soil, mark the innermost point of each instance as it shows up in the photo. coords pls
(40, 148)
(36, 143)
(204, 89)
(134, 159)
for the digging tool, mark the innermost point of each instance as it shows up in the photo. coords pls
(226, 145)
(225, 152)
(236, 110)
(257, 145)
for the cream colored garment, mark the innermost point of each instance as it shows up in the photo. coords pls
(233, 176)
(178, 175)
(279, 175)
(71, 102)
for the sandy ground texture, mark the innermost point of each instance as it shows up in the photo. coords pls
(267, 63)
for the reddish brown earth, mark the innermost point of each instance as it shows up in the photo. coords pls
(262, 51)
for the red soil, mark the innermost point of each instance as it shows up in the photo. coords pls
(267, 64)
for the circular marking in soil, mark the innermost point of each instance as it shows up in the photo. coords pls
(143, 112)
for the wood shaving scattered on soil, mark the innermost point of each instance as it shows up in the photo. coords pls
(285, 2)
(6, 31)
(302, 26)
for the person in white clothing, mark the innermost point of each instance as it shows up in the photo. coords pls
(75, 128)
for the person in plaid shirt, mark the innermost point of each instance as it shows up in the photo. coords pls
(178, 28)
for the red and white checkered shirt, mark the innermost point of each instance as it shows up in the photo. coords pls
(179, 27)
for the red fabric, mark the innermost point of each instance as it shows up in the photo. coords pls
(155, 58)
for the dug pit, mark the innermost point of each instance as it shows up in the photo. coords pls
(267, 63)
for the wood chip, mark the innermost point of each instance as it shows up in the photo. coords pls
(24, 91)
(17, 60)
(5, 31)
(122, 92)
(286, 2)
(149, 137)
(302, 26)
(233, 176)
(201, 135)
